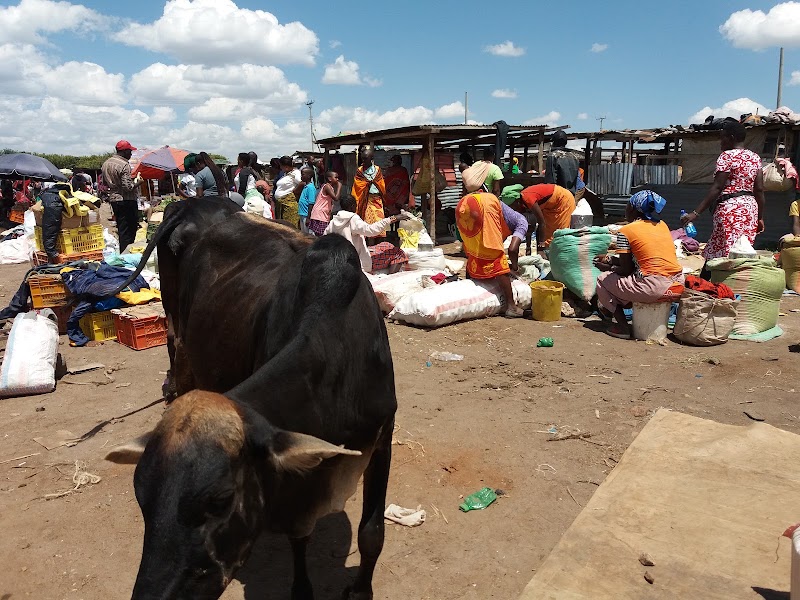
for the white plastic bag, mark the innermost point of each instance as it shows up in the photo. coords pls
(391, 289)
(29, 364)
(582, 215)
(457, 301)
(426, 259)
(742, 249)
(112, 244)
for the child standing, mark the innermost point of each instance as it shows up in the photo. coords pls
(323, 207)
(307, 197)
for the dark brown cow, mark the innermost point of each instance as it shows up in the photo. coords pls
(294, 332)
(184, 223)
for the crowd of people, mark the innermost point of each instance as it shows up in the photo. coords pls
(645, 267)
(303, 194)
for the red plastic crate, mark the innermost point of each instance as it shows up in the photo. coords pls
(40, 257)
(141, 333)
(16, 216)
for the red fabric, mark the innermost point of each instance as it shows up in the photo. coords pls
(718, 290)
(384, 255)
(742, 167)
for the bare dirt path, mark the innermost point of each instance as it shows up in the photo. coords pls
(460, 426)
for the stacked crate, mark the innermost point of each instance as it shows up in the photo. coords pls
(80, 243)
(49, 291)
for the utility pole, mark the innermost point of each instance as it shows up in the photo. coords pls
(309, 104)
(466, 107)
(780, 81)
(601, 119)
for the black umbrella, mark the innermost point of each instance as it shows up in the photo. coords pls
(28, 166)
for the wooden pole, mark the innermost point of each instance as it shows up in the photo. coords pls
(587, 154)
(541, 151)
(525, 159)
(432, 198)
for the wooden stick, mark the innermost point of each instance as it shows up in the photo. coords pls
(2, 462)
(573, 497)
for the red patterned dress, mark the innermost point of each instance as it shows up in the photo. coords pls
(735, 217)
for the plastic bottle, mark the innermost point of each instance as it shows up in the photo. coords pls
(689, 228)
(446, 356)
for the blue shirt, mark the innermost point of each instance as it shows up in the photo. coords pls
(307, 197)
(579, 185)
(516, 222)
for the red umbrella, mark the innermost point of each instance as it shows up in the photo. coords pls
(154, 164)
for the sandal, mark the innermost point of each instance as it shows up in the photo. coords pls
(513, 312)
(613, 331)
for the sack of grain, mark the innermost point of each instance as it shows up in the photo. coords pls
(572, 254)
(390, 289)
(790, 261)
(29, 364)
(760, 285)
(457, 301)
(704, 320)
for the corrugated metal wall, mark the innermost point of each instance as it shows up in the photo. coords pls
(687, 197)
(655, 175)
(609, 179)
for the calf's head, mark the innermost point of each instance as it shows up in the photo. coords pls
(203, 481)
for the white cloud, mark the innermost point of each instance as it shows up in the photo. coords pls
(217, 32)
(506, 48)
(597, 48)
(262, 86)
(25, 72)
(582, 116)
(732, 108)
(334, 44)
(756, 30)
(346, 72)
(795, 80)
(450, 111)
(24, 22)
(504, 93)
(551, 118)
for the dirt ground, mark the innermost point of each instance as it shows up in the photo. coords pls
(460, 426)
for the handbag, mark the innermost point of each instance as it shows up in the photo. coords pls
(775, 179)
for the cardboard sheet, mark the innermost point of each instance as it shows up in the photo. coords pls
(707, 501)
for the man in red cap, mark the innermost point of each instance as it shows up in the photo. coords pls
(123, 193)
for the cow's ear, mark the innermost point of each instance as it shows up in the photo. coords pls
(299, 452)
(129, 453)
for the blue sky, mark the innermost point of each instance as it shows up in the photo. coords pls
(219, 76)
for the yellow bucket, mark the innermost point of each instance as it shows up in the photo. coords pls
(546, 298)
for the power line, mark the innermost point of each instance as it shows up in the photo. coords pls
(601, 119)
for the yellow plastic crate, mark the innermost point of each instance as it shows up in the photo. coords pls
(47, 291)
(73, 241)
(99, 326)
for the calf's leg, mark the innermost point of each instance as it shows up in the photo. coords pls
(371, 527)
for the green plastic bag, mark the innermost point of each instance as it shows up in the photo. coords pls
(479, 500)
(544, 343)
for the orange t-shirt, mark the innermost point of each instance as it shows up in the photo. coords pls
(652, 247)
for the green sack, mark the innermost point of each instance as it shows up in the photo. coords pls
(572, 254)
(760, 285)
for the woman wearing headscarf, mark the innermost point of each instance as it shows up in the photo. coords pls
(484, 223)
(737, 194)
(369, 188)
(553, 206)
(646, 270)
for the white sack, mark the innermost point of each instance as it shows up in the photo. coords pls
(29, 364)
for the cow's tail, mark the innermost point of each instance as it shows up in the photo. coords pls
(165, 229)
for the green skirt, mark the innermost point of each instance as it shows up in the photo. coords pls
(288, 210)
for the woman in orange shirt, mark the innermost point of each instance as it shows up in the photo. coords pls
(553, 206)
(647, 269)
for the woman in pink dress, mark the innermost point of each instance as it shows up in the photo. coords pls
(321, 212)
(737, 194)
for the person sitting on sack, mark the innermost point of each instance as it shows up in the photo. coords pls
(646, 270)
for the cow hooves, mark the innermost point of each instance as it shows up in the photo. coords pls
(168, 388)
(349, 594)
